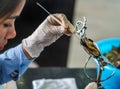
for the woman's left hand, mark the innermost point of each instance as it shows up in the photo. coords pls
(91, 85)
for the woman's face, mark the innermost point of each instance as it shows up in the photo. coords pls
(7, 28)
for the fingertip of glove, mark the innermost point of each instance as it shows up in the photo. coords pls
(92, 85)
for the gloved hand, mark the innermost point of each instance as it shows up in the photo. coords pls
(47, 33)
(91, 85)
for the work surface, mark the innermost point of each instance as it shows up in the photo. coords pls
(25, 82)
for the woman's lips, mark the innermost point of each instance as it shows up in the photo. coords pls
(3, 45)
(1, 48)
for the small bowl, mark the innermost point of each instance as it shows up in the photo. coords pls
(110, 75)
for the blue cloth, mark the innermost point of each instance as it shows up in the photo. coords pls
(13, 63)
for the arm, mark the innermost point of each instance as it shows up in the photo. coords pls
(13, 64)
(46, 34)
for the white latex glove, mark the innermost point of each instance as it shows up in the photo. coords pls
(91, 85)
(46, 33)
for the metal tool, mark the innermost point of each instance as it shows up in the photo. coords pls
(93, 50)
(58, 21)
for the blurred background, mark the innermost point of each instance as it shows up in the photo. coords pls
(103, 22)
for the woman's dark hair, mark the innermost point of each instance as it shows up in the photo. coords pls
(7, 7)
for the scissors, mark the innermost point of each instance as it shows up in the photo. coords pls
(91, 48)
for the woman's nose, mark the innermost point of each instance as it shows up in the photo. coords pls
(11, 33)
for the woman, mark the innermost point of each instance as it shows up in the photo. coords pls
(15, 61)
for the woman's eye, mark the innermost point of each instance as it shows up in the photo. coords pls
(7, 25)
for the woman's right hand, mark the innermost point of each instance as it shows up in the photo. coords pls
(46, 34)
